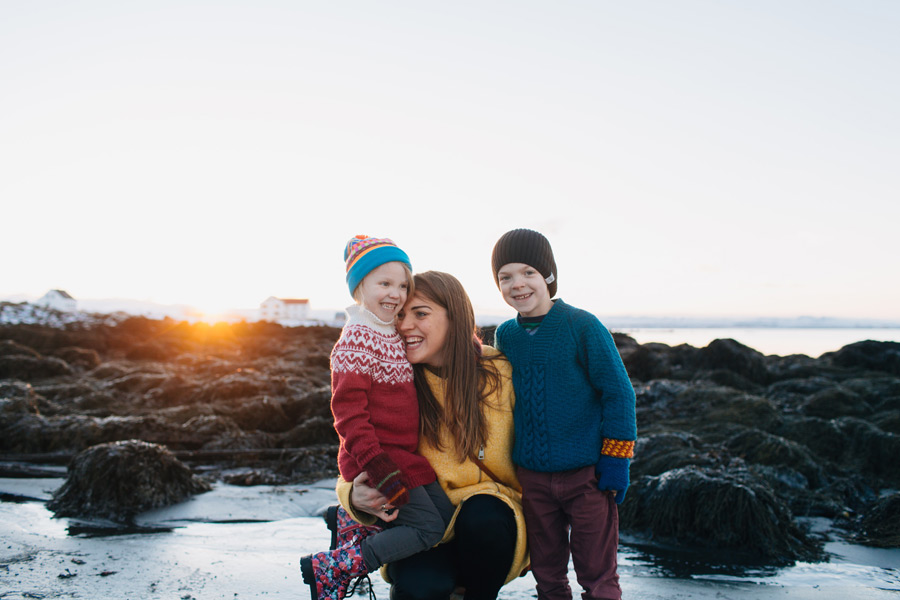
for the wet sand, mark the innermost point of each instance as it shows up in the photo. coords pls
(246, 542)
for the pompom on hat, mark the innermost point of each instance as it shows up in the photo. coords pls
(528, 247)
(363, 254)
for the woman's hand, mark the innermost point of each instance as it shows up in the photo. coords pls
(367, 499)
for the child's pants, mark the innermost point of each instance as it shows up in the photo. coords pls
(419, 525)
(553, 504)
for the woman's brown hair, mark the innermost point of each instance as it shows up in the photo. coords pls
(467, 377)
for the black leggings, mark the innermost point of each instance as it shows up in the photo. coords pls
(478, 558)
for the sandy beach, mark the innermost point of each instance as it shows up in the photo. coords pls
(245, 542)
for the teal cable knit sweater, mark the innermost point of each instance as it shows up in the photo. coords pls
(572, 390)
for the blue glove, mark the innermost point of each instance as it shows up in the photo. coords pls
(612, 474)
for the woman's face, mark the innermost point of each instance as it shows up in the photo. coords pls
(423, 325)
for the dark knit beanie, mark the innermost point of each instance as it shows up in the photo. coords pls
(527, 247)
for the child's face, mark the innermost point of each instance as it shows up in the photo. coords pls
(524, 288)
(383, 290)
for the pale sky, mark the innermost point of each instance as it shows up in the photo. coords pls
(684, 158)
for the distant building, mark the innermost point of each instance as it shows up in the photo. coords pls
(284, 309)
(59, 300)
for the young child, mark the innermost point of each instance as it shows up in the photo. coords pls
(376, 416)
(574, 421)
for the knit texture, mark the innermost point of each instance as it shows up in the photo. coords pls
(362, 254)
(373, 399)
(387, 478)
(462, 480)
(572, 390)
(617, 448)
(612, 474)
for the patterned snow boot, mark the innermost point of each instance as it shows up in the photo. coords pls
(329, 574)
(344, 530)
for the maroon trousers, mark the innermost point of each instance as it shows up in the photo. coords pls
(566, 513)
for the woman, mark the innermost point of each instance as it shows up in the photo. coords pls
(465, 404)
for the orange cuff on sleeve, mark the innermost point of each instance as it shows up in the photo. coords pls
(617, 448)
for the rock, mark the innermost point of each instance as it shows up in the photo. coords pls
(836, 402)
(118, 481)
(709, 508)
(241, 384)
(11, 348)
(32, 368)
(83, 358)
(260, 413)
(761, 448)
(655, 454)
(736, 357)
(315, 430)
(880, 524)
(870, 355)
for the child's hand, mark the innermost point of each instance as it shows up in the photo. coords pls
(612, 474)
(386, 477)
(367, 499)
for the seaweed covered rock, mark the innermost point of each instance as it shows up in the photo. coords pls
(870, 355)
(120, 480)
(33, 368)
(733, 356)
(759, 447)
(880, 525)
(711, 508)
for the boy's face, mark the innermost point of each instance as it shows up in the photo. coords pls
(383, 291)
(524, 288)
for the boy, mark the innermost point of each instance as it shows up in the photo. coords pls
(574, 421)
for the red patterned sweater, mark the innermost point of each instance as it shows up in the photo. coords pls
(373, 399)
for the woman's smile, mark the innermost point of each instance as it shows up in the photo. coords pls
(423, 325)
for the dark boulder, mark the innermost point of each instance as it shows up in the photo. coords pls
(32, 368)
(259, 413)
(657, 453)
(118, 481)
(12, 348)
(761, 448)
(711, 508)
(83, 358)
(869, 355)
(315, 430)
(834, 402)
(880, 524)
(736, 357)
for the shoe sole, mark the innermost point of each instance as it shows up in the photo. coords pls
(309, 576)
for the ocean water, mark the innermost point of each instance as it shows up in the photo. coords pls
(776, 340)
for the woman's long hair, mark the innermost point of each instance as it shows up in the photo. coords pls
(467, 377)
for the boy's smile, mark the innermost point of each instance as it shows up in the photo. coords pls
(524, 288)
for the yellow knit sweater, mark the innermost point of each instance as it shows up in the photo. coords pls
(462, 480)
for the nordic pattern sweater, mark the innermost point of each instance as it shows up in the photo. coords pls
(373, 399)
(572, 390)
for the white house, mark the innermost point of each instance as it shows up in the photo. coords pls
(284, 309)
(59, 300)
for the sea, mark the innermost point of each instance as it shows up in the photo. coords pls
(781, 341)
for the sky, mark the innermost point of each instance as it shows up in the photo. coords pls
(690, 158)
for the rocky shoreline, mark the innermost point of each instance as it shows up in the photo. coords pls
(734, 447)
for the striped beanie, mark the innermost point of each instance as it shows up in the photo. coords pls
(363, 254)
(527, 247)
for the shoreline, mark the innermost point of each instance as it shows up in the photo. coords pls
(236, 542)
